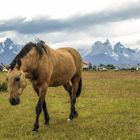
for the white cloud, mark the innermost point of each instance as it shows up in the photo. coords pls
(56, 9)
(51, 8)
(116, 29)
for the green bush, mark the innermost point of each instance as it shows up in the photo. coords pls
(3, 86)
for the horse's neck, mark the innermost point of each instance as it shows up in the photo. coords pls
(30, 69)
(30, 62)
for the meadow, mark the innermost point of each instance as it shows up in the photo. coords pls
(109, 109)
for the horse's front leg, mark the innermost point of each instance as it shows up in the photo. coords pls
(40, 104)
(44, 106)
(46, 114)
(38, 111)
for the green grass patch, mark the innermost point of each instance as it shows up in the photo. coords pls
(3, 86)
(109, 109)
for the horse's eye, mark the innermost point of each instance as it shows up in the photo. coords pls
(17, 78)
(7, 79)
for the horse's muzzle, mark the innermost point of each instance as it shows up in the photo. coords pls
(14, 101)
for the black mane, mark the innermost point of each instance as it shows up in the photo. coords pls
(39, 46)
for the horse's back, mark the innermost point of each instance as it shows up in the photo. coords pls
(67, 63)
(75, 55)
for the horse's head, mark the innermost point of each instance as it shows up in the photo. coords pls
(16, 84)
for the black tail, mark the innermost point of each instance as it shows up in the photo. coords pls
(79, 88)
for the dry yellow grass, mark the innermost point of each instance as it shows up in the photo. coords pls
(109, 109)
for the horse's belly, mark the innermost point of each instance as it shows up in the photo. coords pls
(60, 80)
(58, 83)
(55, 84)
(63, 71)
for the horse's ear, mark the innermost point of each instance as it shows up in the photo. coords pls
(19, 64)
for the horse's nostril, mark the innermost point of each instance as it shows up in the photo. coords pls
(14, 101)
(17, 100)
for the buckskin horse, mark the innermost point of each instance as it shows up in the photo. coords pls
(45, 67)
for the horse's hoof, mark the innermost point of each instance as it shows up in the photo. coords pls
(46, 124)
(75, 114)
(34, 132)
(69, 120)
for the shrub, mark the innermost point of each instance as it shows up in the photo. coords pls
(3, 86)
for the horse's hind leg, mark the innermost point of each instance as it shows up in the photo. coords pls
(75, 82)
(68, 88)
(45, 111)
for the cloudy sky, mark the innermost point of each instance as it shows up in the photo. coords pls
(75, 23)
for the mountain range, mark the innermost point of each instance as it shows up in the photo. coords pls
(100, 53)
(105, 53)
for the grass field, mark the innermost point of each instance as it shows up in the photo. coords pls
(109, 109)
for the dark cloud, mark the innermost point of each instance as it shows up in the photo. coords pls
(75, 23)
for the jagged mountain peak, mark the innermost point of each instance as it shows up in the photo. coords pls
(8, 40)
(8, 50)
(102, 48)
(119, 45)
(107, 45)
(105, 53)
(102, 44)
(107, 42)
(96, 45)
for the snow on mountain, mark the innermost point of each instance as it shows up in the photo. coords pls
(125, 55)
(8, 50)
(105, 53)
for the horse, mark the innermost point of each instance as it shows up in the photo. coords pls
(45, 67)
